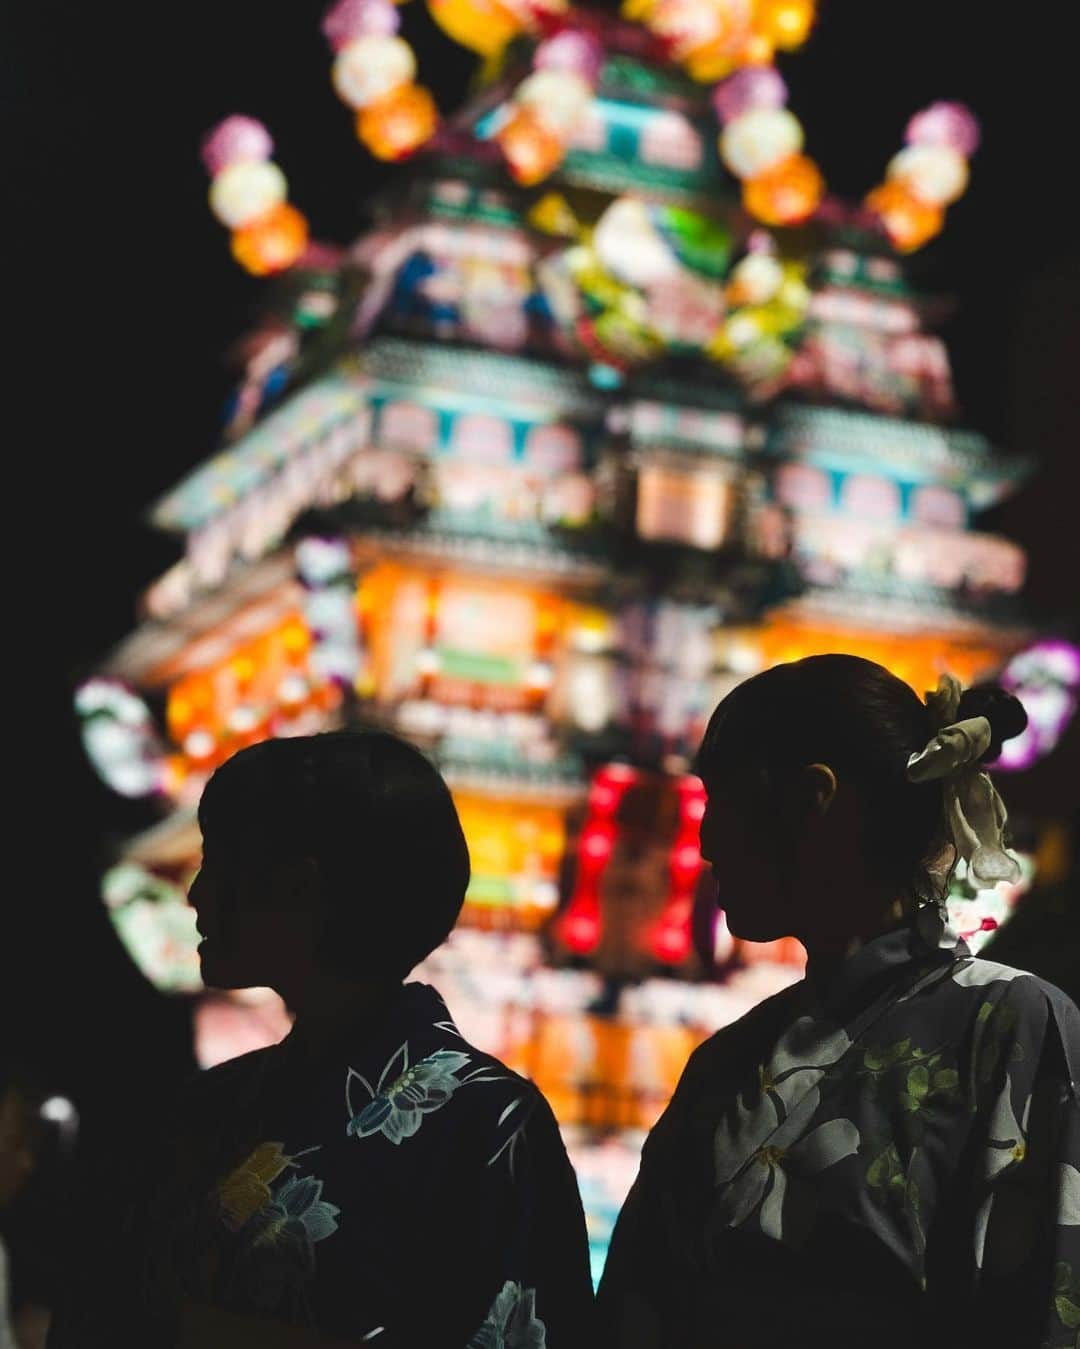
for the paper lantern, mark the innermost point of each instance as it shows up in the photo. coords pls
(558, 97)
(531, 148)
(759, 140)
(351, 19)
(397, 125)
(578, 53)
(909, 221)
(786, 23)
(949, 124)
(785, 194)
(245, 191)
(747, 90)
(236, 140)
(757, 279)
(368, 69)
(757, 50)
(271, 243)
(484, 26)
(936, 174)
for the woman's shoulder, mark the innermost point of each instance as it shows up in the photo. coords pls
(223, 1084)
(1028, 1006)
(732, 1050)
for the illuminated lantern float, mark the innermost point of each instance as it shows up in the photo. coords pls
(535, 472)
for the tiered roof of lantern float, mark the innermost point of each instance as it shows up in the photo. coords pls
(578, 435)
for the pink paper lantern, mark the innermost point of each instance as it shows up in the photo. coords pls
(236, 140)
(747, 90)
(949, 124)
(351, 19)
(572, 51)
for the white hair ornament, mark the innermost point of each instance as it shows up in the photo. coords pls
(975, 812)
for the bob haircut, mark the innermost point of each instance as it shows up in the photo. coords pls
(377, 820)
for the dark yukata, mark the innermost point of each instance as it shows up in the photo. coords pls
(890, 1161)
(402, 1190)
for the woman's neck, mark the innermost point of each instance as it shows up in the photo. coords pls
(327, 1007)
(868, 916)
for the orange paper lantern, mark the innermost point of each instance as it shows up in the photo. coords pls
(787, 193)
(909, 221)
(273, 242)
(395, 126)
(786, 23)
(532, 150)
(758, 50)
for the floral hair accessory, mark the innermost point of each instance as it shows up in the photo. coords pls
(975, 812)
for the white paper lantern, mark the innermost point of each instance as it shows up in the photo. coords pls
(759, 140)
(558, 97)
(243, 192)
(372, 67)
(758, 278)
(936, 174)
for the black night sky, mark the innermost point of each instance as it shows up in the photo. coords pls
(131, 299)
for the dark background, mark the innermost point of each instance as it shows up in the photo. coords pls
(129, 299)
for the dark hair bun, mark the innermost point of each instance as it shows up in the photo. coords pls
(1002, 710)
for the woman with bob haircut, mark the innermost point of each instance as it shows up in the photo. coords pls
(886, 1153)
(373, 1178)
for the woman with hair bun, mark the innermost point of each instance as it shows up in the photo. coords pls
(886, 1153)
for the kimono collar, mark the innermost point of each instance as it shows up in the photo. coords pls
(412, 1009)
(875, 965)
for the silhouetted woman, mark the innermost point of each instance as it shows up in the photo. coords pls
(374, 1178)
(886, 1153)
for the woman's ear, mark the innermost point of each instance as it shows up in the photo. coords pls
(819, 783)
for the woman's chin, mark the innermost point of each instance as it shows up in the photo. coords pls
(215, 972)
(750, 930)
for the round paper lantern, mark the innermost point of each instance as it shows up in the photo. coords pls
(531, 148)
(372, 67)
(749, 89)
(558, 97)
(578, 53)
(759, 140)
(909, 221)
(351, 19)
(755, 280)
(245, 191)
(397, 125)
(787, 23)
(273, 242)
(787, 193)
(757, 50)
(236, 140)
(936, 174)
(949, 124)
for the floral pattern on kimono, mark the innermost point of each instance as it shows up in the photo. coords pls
(893, 1157)
(403, 1189)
